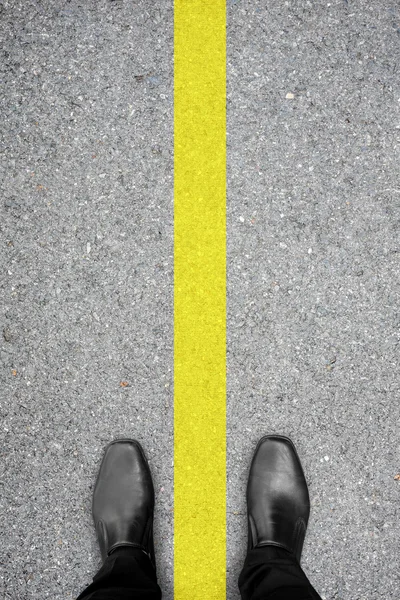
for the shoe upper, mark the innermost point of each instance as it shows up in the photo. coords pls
(278, 504)
(123, 499)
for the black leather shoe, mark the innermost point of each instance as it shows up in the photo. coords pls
(278, 504)
(123, 499)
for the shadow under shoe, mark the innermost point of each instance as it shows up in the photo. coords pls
(278, 503)
(123, 500)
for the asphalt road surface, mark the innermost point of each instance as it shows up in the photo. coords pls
(313, 183)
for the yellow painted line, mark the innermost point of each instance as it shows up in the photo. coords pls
(200, 299)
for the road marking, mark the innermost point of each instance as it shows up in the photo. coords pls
(200, 299)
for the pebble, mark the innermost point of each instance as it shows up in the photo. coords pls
(7, 335)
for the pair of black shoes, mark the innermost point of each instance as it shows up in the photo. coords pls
(278, 504)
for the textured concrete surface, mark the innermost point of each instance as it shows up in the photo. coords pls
(313, 123)
(87, 242)
(87, 276)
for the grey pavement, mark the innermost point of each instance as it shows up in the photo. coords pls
(86, 237)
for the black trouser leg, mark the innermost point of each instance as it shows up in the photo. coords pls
(127, 574)
(272, 573)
